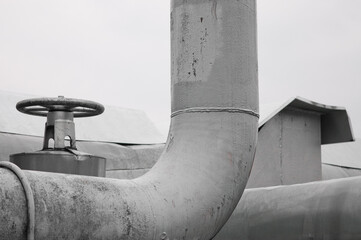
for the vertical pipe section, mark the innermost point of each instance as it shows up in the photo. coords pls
(214, 125)
(214, 54)
(200, 177)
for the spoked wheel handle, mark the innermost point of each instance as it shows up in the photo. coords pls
(41, 106)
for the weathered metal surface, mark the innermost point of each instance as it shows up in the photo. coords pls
(13, 207)
(319, 210)
(65, 161)
(78, 207)
(193, 188)
(288, 150)
(28, 192)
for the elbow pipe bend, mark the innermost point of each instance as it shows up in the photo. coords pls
(198, 180)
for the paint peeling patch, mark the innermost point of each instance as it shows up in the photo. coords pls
(194, 65)
(203, 39)
(195, 40)
(128, 219)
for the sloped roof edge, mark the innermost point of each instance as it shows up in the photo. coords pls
(335, 123)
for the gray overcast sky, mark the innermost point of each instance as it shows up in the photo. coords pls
(117, 52)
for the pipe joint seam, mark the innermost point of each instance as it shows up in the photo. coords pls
(215, 109)
(28, 195)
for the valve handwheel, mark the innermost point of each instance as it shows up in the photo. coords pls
(41, 106)
(59, 153)
(60, 112)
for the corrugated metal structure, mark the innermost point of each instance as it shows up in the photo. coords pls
(290, 138)
(334, 120)
(289, 152)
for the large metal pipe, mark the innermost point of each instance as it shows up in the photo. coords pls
(196, 184)
(318, 210)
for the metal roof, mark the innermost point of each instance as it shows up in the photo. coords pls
(333, 172)
(343, 154)
(118, 125)
(335, 123)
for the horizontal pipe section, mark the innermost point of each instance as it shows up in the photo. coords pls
(318, 210)
(197, 182)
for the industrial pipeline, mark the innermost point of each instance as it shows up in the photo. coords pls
(197, 182)
(315, 210)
